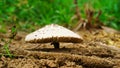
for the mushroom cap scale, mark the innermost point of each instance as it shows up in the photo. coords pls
(53, 33)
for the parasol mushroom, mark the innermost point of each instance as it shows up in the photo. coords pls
(53, 33)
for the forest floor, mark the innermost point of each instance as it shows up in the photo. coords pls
(99, 49)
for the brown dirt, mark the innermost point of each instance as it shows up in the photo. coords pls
(99, 49)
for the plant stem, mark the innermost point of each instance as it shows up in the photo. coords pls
(56, 45)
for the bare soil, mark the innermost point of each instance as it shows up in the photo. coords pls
(99, 49)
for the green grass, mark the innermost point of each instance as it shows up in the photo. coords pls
(6, 49)
(42, 12)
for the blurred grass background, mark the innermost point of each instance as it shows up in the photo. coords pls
(29, 13)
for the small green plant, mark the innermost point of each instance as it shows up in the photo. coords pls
(7, 43)
(6, 48)
(13, 32)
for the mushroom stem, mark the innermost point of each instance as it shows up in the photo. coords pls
(56, 45)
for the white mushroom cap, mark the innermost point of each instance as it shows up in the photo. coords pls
(53, 33)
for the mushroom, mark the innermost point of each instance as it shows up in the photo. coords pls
(53, 33)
